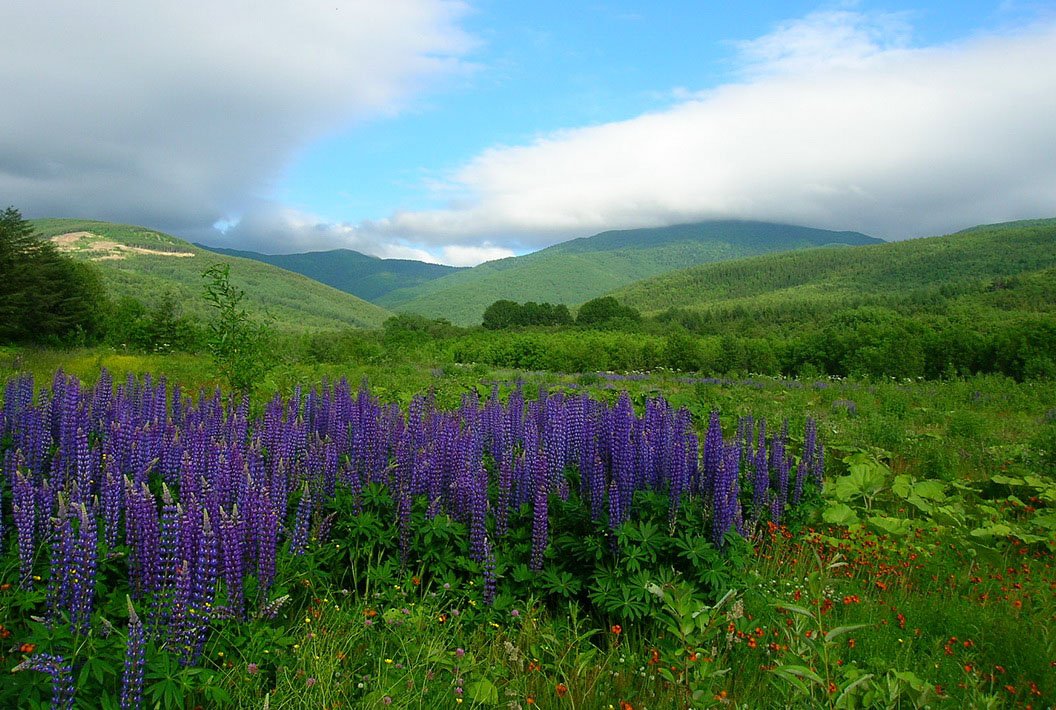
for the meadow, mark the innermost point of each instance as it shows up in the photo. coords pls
(389, 532)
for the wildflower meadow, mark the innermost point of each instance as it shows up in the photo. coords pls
(505, 544)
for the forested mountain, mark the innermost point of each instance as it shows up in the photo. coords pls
(149, 265)
(1006, 266)
(367, 277)
(578, 270)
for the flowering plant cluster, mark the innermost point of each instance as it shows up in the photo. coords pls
(203, 500)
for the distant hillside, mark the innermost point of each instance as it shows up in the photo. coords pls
(578, 270)
(147, 264)
(367, 277)
(1008, 266)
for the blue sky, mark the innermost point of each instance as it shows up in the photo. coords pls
(545, 66)
(464, 130)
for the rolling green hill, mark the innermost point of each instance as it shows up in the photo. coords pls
(367, 277)
(581, 269)
(145, 264)
(1009, 266)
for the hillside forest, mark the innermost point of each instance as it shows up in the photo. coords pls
(764, 467)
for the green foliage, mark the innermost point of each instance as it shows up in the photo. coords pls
(581, 269)
(160, 328)
(940, 517)
(606, 309)
(44, 296)
(508, 314)
(366, 277)
(239, 344)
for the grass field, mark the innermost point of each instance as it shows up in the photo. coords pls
(922, 577)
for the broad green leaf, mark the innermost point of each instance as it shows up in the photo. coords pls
(801, 672)
(930, 489)
(795, 609)
(1046, 520)
(851, 687)
(792, 680)
(921, 504)
(482, 691)
(892, 526)
(839, 514)
(841, 630)
(901, 485)
(1007, 480)
(995, 530)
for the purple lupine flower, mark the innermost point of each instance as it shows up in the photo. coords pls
(712, 455)
(61, 565)
(540, 514)
(810, 440)
(132, 678)
(203, 596)
(478, 485)
(724, 497)
(801, 475)
(761, 475)
(161, 612)
(111, 494)
(232, 537)
(83, 570)
(61, 674)
(267, 545)
(24, 506)
(505, 490)
(302, 522)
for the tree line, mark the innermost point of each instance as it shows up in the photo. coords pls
(603, 311)
(45, 297)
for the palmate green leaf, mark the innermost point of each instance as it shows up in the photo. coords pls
(482, 691)
(995, 530)
(930, 489)
(839, 514)
(1007, 480)
(892, 526)
(902, 485)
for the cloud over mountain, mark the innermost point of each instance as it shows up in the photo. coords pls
(179, 114)
(835, 123)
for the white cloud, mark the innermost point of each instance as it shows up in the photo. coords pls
(471, 255)
(178, 114)
(835, 123)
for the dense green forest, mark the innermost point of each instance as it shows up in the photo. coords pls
(152, 267)
(364, 276)
(981, 301)
(44, 296)
(575, 271)
(988, 265)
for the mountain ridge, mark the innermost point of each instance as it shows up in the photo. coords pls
(577, 270)
(977, 260)
(141, 263)
(362, 275)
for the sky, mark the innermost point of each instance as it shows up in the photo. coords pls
(462, 131)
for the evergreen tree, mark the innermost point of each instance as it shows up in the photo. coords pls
(45, 297)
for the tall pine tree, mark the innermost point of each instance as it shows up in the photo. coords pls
(45, 297)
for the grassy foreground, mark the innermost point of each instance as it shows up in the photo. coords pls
(922, 578)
